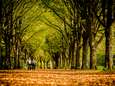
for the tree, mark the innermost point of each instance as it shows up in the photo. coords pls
(12, 30)
(106, 22)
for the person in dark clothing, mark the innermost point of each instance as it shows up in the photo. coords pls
(31, 63)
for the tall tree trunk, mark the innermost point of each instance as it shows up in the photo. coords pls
(85, 51)
(0, 33)
(15, 55)
(78, 57)
(69, 59)
(56, 59)
(78, 48)
(72, 54)
(15, 51)
(93, 57)
(108, 51)
(19, 52)
(63, 57)
(1, 58)
(0, 52)
(8, 61)
(92, 46)
(108, 35)
(0, 46)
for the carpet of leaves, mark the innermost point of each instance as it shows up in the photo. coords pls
(56, 78)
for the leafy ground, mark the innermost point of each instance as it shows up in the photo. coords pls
(56, 78)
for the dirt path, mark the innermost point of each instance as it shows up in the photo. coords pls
(55, 78)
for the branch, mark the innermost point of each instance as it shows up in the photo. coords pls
(56, 27)
(100, 39)
(57, 14)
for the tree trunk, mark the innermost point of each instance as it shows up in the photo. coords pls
(0, 47)
(108, 35)
(0, 56)
(72, 54)
(108, 51)
(78, 57)
(78, 48)
(15, 52)
(0, 34)
(93, 57)
(63, 58)
(93, 45)
(56, 59)
(69, 53)
(85, 51)
(15, 55)
(8, 61)
(19, 52)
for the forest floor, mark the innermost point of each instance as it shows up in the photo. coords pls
(56, 78)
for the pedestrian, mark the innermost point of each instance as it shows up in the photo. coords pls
(33, 63)
(29, 63)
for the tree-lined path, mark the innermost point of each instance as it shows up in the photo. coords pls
(78, 35)
(56, 78)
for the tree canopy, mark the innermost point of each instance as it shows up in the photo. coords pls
(72, 34)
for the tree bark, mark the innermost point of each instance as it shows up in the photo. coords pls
(8, 61)
(78, 57)
(72, 54)
(108, 35)
(78, 48)
(108, 51)
(85, 51)
(93, 57)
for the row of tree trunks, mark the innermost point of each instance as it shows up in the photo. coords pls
(7, 40)
(88, 37)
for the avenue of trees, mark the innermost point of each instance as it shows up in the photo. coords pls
(56, 33)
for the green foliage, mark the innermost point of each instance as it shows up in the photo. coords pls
(42, 28)
(100, 60)
(53, 43)
(100, 68)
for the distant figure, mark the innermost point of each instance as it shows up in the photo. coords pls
(29, 63)
(33, 63)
